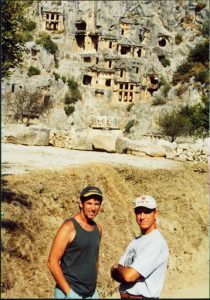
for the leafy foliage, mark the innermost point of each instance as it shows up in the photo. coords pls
(13, 27)
(159, 101)
(196, 65)
(69, 109)
(74, 92)
(47, 43)
(57, 76)
(166, 86)
(129, 125)
(173, 124)
(190, 120)
(33, 71)
(178, 38)
(128, 108)
(198, 117)
(165, 62)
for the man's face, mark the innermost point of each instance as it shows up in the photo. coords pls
(146, 218)
(90, 207)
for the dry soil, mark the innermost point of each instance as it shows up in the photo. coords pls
(40, 189)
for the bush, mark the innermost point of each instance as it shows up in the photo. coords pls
(173, 124)
(196, 65)
(47, 43)
(166, 86)
(128, 108)
(57, 76)
(166, 89)
(29, 25)
(26, 36)
(183, 73)
(199, 6)
(129, 125)
(159, 101)
(200, 53)
(33, 71)
(198, 116)
(165, 62)
(178, 38)
(192, 120)
(202, 77)
(72, 84)
(74, 90)
(67, 99)
(69, 109)
(64, 79)
(205, 29)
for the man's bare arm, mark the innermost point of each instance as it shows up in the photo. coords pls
(125, 274)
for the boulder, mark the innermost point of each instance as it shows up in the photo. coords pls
(31, 136)
(104, 142)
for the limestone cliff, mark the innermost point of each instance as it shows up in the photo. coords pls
(115, 51)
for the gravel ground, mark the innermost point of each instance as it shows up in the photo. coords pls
(19, 158)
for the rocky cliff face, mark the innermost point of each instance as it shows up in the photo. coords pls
(115, 51)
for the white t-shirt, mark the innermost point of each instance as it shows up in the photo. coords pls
(148, 255)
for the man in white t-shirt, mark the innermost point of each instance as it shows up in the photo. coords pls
(141, 269)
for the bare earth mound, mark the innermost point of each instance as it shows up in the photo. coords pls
(35, 204)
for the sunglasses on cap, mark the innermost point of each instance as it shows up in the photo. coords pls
(145, 210)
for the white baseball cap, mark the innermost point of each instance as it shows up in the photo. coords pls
(145, 201)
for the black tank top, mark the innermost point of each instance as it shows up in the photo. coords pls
(79, 261)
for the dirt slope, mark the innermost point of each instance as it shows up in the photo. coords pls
(36, 203)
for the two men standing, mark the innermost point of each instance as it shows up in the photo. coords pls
(73, 259)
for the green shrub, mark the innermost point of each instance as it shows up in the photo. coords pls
(67, 99)
(202, 77)
(173, 124)
(159, 101)
(57, 76)
(29, 25)
(69, 109)
(182, 88)
(166, 89)
(190, 120)
(196, 65)
(200, 53)
(165, 62)
(128, 108)
(33, 71)
(74, 90)
(199, 6)
(183, 73)
(129, 125)
(205, 29)
(56, 62)
(166, 86)
(72, 84)
(47, 43)
(26, 36)
(198, 116)
(63, 78)
(178, 38)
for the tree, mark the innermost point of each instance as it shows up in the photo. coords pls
(173, 124)
(24, 105)
(12, 41)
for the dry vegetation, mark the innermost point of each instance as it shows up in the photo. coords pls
(35, 205)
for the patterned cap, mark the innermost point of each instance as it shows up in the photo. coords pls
(145, 201)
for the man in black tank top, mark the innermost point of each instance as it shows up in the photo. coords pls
(73, 259)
